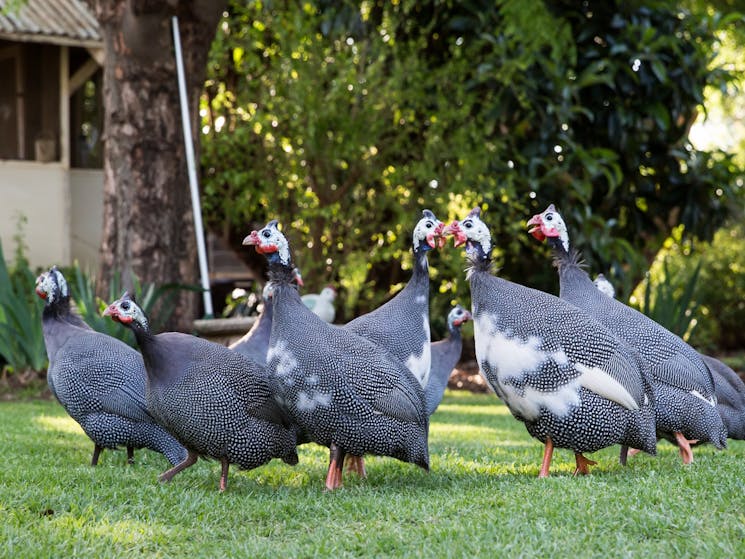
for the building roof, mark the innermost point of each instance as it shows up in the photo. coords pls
(63, 22)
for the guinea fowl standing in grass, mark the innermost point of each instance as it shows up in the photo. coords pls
(729, 388)
(409, 341)
(571, 381)
(343, 391)
(218, 403)
(445, 356)
(683, 386)
(99, 380)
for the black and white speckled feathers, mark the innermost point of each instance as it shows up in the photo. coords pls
(558, 370)
(730, 392)
(401, 325)
(683, 384)
(218, 403)
(99, 380)
(445, 356)
(344, 391)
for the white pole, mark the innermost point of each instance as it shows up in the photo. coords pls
(194, 186)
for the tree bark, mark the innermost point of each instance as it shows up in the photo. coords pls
(148, 226)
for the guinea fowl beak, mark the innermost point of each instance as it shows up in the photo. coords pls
(458, 236)
(441, 240)
(252, 239)
(109, 311)
(537, 227)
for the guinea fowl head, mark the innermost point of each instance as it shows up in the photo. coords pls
(127, 312)
(428, 232)
(52, 286)
(270, 242)
(458, 316)
(549, 225)
(473, 233)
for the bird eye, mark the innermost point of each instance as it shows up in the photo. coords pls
(468, 224)
(266, 234)
(549, 217)
(125, 305)
(429, 225)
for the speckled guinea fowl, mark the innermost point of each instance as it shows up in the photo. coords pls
(255, 343)
(343, 391)
(401, 325)
(445, 356)
(216, 402)
(99, 380)
(572, 382)
(730, 391)
(684, 388)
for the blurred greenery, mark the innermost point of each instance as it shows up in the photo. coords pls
(345, 119)
(720, 287)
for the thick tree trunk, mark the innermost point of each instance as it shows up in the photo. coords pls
(148, 225)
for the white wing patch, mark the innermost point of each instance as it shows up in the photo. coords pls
(601, 383)
(710, 401)
(512, 356)
(310, 401)
(529, 404)
(420, 365)
(286, 362)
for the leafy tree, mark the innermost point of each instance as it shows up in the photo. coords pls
(345, 120)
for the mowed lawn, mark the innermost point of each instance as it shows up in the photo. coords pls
(482, 498)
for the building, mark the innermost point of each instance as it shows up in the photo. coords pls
(51, 117)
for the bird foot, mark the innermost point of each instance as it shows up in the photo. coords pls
(583, 464)
(684, 445)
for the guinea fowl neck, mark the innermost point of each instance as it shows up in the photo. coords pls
(421, 267)
(58, 310)
(281, 273)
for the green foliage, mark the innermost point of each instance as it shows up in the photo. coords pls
(720, 291)
(482, 498)
(21, 341)
(345, 120)
(669, 300)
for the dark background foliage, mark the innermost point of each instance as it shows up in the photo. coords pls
(345, 119)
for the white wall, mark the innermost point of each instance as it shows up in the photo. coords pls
(41, 193)
(86, 188)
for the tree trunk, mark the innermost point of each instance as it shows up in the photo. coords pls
(148, 224)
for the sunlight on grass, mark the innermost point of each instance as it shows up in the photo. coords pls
(60, 424)
(481, 498)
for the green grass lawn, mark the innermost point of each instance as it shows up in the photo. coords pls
(482, 498)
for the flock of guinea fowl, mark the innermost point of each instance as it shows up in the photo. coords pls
(582, 371)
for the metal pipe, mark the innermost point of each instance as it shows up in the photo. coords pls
(193, 184)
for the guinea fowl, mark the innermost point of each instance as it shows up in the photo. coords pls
(218, 403)
(445, 356)
(255, 343)
(322, 304)
(571, 381)
(683, 386)
(343, 391)
(99, 380)
(401, 325)
(730, 392)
